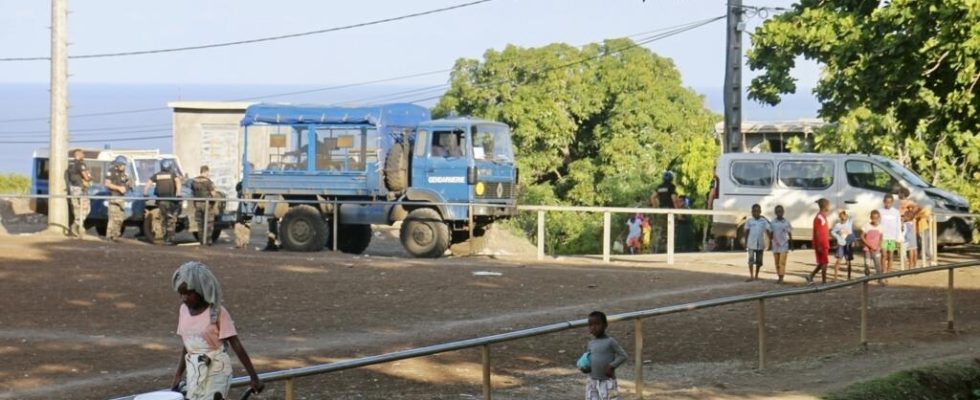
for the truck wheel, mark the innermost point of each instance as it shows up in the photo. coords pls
(353, 239)
(424, 234)
(396, 168)
(303, 229)
(153, 226)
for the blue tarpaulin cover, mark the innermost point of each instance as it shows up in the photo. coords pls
(398, 114)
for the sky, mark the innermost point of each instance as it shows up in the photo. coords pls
(410, 46)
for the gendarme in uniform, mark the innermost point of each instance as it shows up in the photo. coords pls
(165, 185)
(79, 180)
(118, 183)
(203, 188)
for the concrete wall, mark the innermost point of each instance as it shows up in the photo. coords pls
(214, 137)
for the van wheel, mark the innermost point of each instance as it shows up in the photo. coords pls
(303, 229)
(739, 242)
(353, 239)
(424, 234)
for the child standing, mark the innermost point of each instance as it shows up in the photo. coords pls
(909, 212)
(756, 229)
(843, 232)
(891, 231)
(821, 241)
(605, 355)
(633, 237)
(207, 331)
(782, 237)
(871, 236)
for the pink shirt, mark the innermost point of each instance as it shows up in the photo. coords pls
(199, 334)
(872, 238)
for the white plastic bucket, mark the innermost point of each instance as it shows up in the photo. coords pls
(161, 395)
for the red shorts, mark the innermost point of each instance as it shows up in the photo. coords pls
(823, 256)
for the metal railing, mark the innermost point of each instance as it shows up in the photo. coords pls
(485, 343)
(541, 210)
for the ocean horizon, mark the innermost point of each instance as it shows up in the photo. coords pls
(28, 105)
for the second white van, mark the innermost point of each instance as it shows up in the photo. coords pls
(856, 183)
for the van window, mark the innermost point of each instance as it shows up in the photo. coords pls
(865, 175)
(752, 173)
(807, 175)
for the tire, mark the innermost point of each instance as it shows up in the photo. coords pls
(101, 228)
(424, 234)
(303, 229)
(353, 239)
(739, 242)
(153, 227)
(215, 234)
(396, 168)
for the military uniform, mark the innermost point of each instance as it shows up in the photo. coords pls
(78, 183)
(165, 185)
(203, 187)
(116, 206)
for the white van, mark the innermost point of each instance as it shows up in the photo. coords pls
(856, 183)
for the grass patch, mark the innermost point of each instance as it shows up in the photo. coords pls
(14, 184)
(956, 380)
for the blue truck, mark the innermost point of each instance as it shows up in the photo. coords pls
(445, 180)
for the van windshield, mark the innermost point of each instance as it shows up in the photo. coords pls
(905, 173)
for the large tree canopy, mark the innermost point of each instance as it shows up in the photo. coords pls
(900, 78)
(595, 125)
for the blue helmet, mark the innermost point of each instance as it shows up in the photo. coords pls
(119, 160)
(668, 176)
(167, 165)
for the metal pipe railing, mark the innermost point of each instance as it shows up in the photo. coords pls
(485, 342)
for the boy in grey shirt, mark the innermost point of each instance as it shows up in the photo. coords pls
(605, 355)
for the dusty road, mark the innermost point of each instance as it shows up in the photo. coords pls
(88, 319)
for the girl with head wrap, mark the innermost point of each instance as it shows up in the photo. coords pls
(207, 330)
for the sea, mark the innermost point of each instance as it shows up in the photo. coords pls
(136, 116)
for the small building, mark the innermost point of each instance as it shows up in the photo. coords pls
(210, 133)
(772, 136)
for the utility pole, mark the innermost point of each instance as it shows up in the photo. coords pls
(733, 141)
(58, 156)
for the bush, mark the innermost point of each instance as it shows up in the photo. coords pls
(14, 184)
(957, 380)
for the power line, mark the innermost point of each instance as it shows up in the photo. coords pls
(257, 40)
(108, 134)
(103, 129)
(126, 139)
(667, 32)
(265, 96)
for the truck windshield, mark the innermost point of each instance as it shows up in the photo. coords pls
(145, 168)
(905, 173)
(492, 143)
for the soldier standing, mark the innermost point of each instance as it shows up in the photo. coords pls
(203, 188)
(118, 184)
(165, 184)
(79, 181)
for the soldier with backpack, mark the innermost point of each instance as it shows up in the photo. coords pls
(203, 188)
(166, 184)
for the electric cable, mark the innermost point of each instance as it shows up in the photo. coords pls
(256, 40)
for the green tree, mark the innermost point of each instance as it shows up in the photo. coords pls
(591, 126)
(899, 79)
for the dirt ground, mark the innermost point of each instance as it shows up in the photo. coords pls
(86, 319)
